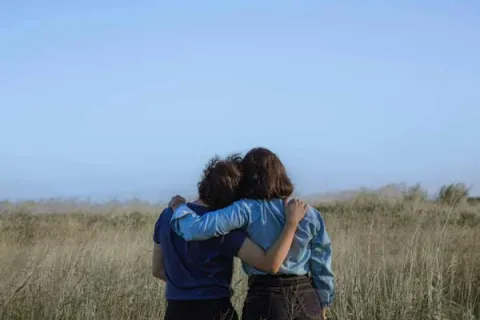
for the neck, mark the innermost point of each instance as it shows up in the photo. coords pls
(200, 203)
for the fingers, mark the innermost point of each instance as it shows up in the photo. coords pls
(295, 204)
(298, 203)
(176, 201)
(178, 198)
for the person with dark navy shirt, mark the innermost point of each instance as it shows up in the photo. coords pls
(198, 274)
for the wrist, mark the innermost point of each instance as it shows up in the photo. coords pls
(291, 224)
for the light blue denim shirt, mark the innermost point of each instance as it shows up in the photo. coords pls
(263, 220)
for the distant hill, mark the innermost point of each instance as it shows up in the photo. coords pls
(388, 191)
(473, 200)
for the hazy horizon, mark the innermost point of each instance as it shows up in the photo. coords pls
(153, 196)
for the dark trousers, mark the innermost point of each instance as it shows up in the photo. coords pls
(214, 309)
(284, 297)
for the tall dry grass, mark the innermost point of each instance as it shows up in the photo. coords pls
(393, 260)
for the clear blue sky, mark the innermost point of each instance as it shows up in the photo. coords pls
(104, 98)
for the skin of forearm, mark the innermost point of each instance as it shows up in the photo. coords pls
(160, 275)
(163, 276)
(277, 253)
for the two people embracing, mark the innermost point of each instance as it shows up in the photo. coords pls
(244, 209)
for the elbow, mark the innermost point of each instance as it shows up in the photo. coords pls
(194, 235)
(272, 268)
(186, 233)
(159, 274)
(156, 274)
(275, 268)
(187, 236)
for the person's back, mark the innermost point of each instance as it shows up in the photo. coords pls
(199, 274)
(200, 270)
(263, 221)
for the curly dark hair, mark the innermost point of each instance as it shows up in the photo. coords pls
(264, 176)
(220, 183)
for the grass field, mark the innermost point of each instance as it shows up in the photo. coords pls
(393, 260)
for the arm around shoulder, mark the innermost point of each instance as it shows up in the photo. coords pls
(272, 260)
(193, 227)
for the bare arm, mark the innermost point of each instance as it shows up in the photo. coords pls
(272, 260)
(158, 270)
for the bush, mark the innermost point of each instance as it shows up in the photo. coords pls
(415, 194)
(453, 194)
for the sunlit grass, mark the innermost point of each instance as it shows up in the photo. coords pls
(400, 260)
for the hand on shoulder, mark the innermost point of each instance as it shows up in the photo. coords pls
(176, 201)
(295, 210)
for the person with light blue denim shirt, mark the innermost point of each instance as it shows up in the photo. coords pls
(261, 214)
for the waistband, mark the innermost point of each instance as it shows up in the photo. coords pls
(187, 303)
(283, 280)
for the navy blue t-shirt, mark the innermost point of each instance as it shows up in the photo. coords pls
(197, 270)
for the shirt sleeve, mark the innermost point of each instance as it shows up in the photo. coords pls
(193, 227)
(321, 266)
(156, 230)
(232, 242)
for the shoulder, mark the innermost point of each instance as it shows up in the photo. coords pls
(233, 241)
(164, 216)
(245, 202)
(314, 217)
(162, 221)
(236, 234)
(243, 206)
(261, 206)
(255, 203)
(314, 213)
(235, 238)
